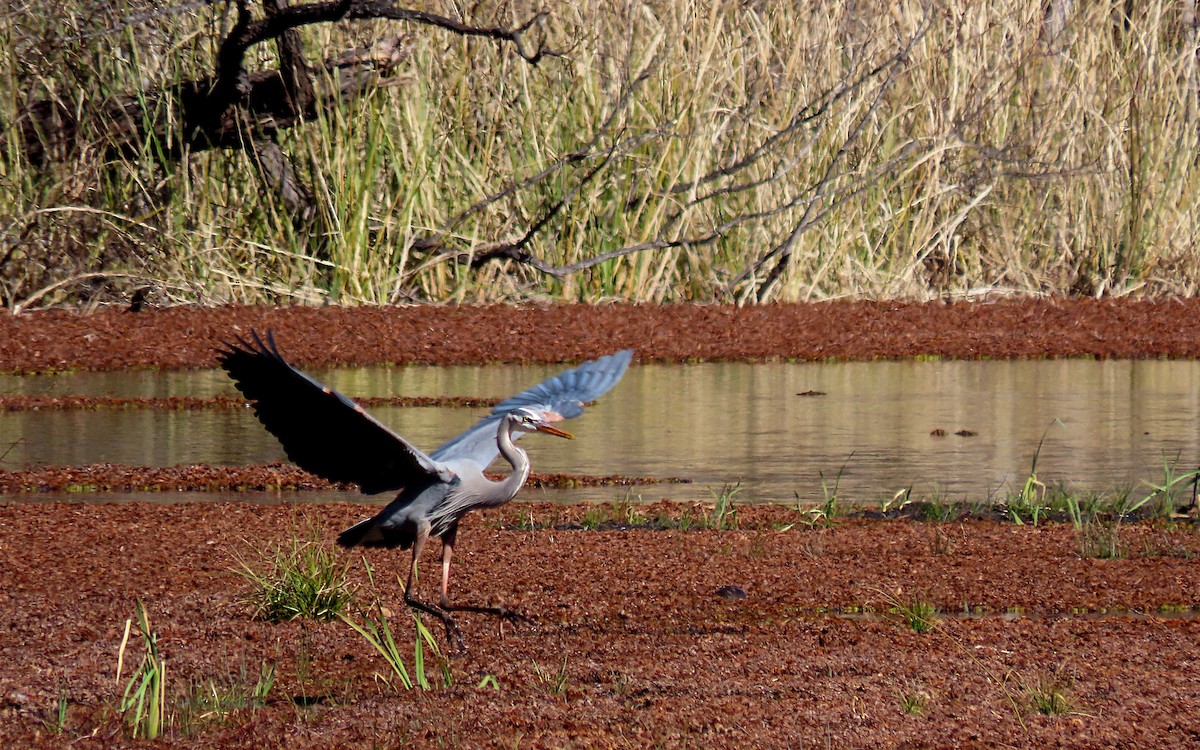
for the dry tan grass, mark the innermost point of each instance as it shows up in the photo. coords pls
(746, 151)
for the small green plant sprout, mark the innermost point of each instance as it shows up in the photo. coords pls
(724, 514)
(60, 715)
(830, 506)
(918, 615)
(1048, 695)
(1031, 500)
(143, 703)
(553, 681)
(214, 700)
(526, 522)
(896, 502)
(1101, 540)
(913, 702)
(1167, 498)
(684, 521)
(376, 629)
(1097, 538)
(57, 722)
(939, 509)
(594, 516)
(625, 510)
(489, 681)
(940, 543)
(299, 578)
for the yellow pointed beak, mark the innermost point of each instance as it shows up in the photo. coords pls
(550, 429)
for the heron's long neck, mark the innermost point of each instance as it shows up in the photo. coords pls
(516, 457)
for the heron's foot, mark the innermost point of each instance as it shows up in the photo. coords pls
(503, 612)
(512, 615)
(454, 639)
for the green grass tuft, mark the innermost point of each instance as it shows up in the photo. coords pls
(914, 703)
(299, 578)
(213, 700)
(724, 513)
(553, 681)
(919, 616)
(1049, 696)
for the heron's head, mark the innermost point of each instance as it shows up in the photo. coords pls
(538, 420)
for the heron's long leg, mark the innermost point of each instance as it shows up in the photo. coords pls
(448, 540)
(451, 629)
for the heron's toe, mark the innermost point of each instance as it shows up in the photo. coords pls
(513, 615)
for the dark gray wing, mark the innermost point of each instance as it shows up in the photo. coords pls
(321, 430)
(565, 393)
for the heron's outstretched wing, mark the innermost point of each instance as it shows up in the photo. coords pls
(565, 393)
(321, 430)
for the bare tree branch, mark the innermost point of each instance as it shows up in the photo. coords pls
(809, 114)
(516, 250)
(834, 199)
(284, 19)
(817, 200)
(588, 151)
(782, 253)
(297, 78)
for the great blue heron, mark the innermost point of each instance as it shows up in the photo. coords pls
(331, 436)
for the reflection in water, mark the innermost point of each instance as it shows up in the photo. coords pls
(716, 423)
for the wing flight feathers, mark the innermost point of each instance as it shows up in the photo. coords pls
(321, 430)
(565, 393)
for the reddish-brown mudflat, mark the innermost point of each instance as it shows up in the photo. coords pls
(630, 644)
(185, 337)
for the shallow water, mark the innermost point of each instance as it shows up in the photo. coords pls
(1106, 424)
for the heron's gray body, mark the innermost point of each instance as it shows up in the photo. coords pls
(329, 435)
(433, 507)
(398, 524)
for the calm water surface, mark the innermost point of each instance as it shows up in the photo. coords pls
(1106, 425)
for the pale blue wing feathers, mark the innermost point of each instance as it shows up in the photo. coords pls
(565, 393)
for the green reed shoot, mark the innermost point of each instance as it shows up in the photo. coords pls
(1170, 493)
(376, 629)
(145, 693)
(1031, 500)
(724, 512)
(62, 704)
(831, 505)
